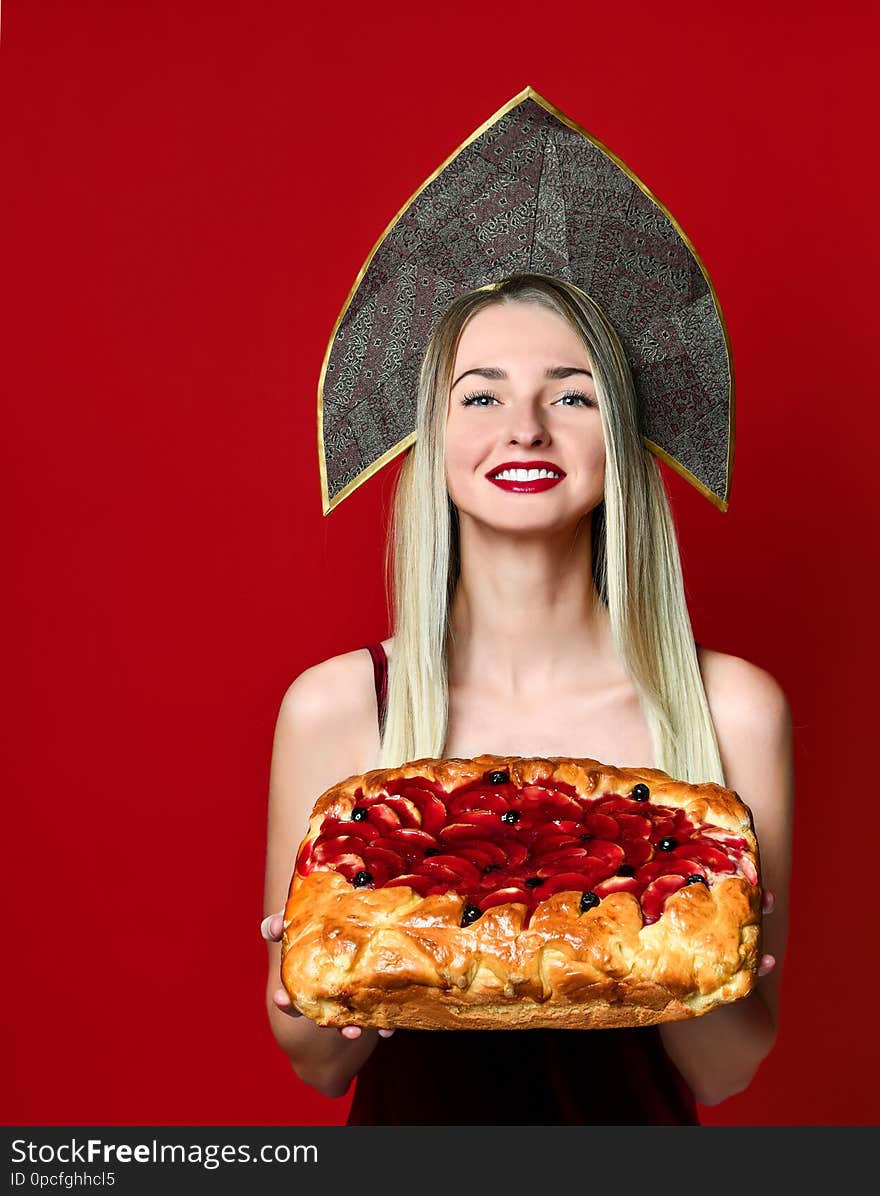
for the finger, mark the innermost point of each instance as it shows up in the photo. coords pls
(272, 926)
(350, 1032)
(767, 964)
(283, 1002)
(385, 1033)
(769, 902)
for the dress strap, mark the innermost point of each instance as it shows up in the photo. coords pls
(380, 676)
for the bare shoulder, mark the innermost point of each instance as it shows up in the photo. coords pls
(753, 723)
(332, 703)
(331, 687)
(743, 697)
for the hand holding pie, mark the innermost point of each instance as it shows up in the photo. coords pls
(505, 892)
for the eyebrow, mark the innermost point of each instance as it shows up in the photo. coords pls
(492, 371)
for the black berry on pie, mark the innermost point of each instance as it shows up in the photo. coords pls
(470, 913)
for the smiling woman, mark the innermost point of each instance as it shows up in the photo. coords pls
(535, 586)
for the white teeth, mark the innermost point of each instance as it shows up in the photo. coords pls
(525, 475)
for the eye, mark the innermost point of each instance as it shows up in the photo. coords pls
(471, 400)
(576, 394)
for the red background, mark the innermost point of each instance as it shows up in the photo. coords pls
(189, 190)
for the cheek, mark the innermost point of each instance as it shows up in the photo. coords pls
(456, 458)
(464, 451)
(596, 456)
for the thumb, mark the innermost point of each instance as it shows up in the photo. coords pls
(272, 927)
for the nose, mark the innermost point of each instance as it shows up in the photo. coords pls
(527, 427)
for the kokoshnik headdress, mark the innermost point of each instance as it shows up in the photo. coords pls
(531, 191)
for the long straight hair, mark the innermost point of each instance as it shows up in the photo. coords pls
(635, 560)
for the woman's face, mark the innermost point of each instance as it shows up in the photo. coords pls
(523, 396)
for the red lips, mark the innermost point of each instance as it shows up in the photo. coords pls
(534, 487)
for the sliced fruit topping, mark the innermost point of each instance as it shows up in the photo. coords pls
(602, 825)
(475, 855)
(666, 866)
(749, 870)
(346, 826)
(330, 851)
(349, 866)
(612, 803)
(712, 857)
(504, 896)
(567, 881)
(661, 826)
(726, 839)
(550, 839)
(655, 895)
(553, 860)
(463, 872)
(611, 853)
(618, 884)
(408, 842)
(538, 797)
(432, 809)
(478, 799)
(423, 885)
(637, 851)
(407, 811)
(634, 826)
(392, 860)
(487, 821)
(493, 843)
(495, 851)
(383, 816)
(303, 862)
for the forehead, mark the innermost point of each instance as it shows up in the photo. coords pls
(519, 332)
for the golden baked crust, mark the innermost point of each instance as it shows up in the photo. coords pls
(386, 956)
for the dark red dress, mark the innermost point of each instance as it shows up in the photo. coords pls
(518, 1077)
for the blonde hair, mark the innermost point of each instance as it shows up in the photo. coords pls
(635, 560)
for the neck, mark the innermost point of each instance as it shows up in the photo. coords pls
(526, 617)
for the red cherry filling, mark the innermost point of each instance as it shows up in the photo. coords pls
(493, 843)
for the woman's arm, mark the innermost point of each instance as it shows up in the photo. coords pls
(309, 755)
(718, 1054)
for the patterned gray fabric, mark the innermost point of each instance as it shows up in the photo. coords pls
(532, 194)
